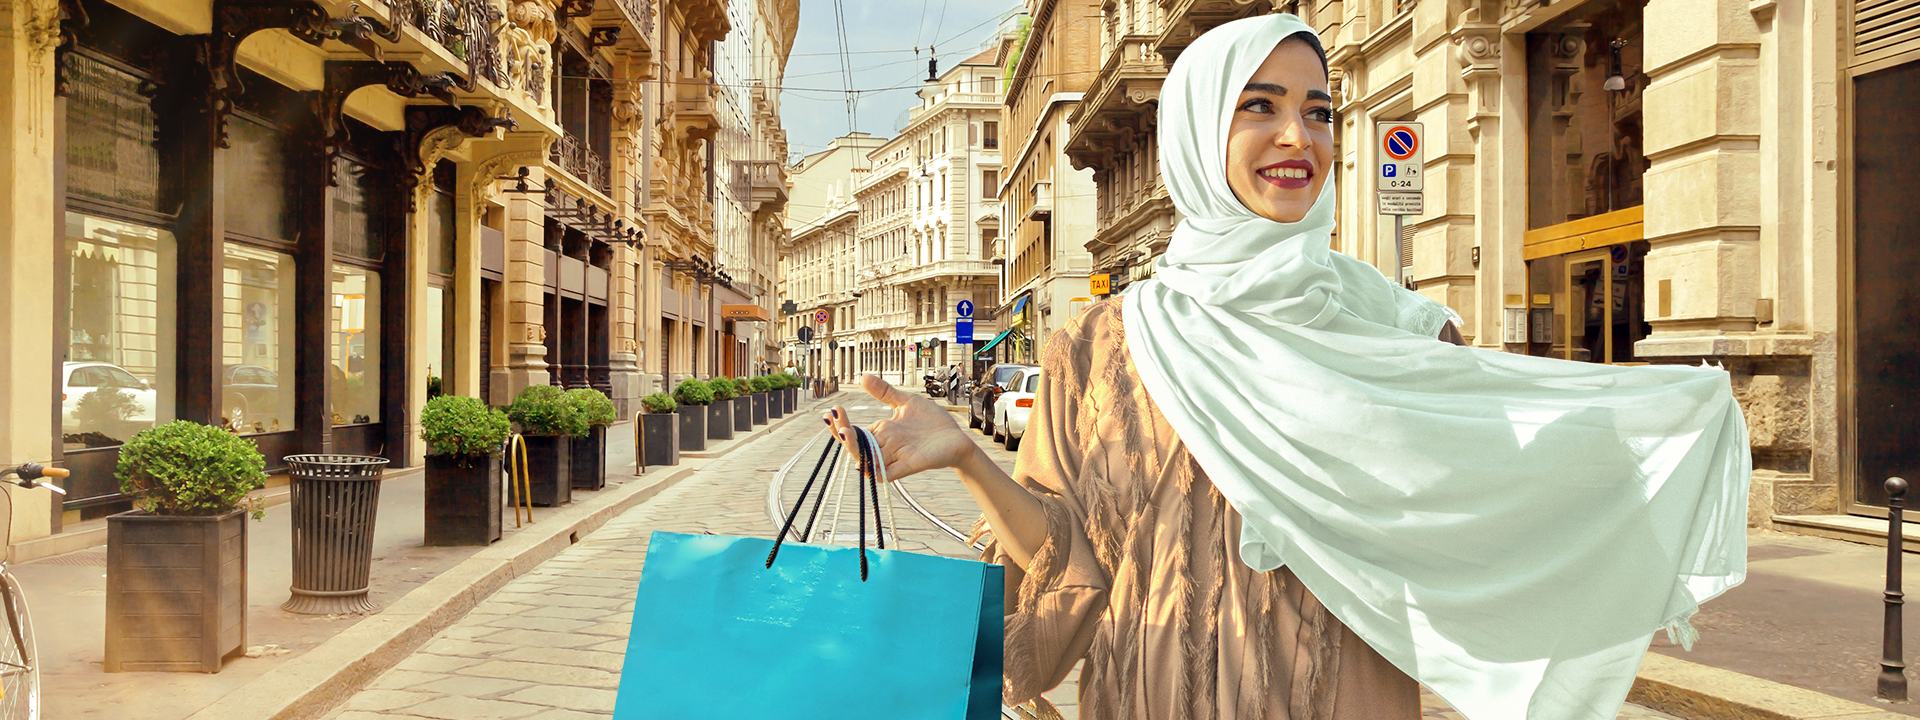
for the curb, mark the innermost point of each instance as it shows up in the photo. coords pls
(319, 680)
(1702, 692)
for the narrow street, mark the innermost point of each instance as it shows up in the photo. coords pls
(548, 646)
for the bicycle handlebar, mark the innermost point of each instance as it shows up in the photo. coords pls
(55, 472)
(29, 472)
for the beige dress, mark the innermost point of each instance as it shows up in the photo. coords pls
(1140, 573)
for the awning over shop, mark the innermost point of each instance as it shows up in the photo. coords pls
(995, 342)
(1018, 316)
(744, 312)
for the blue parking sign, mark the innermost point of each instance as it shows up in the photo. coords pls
(1388, 169)
(963, 332)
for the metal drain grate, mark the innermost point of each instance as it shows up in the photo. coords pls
(96, 557)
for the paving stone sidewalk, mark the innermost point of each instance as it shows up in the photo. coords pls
(549, 645)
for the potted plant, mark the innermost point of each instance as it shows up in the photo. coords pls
(759, 387)
(549, 423)
(742, 405)
(463, 503)
(720, 411)
(590, 449)
(693, 395)
(189, 484)
(659, 433)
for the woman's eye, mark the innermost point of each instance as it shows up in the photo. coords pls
(1259, 106)
(1324, 115)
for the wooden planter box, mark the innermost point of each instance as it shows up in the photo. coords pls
(720, 420)
(549, 469)
(660, 439)
(743, 414)
(590, 459)
(176, 591)
(693, 427)
(463, 500)
(759, 408)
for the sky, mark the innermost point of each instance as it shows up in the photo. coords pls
(881, 37)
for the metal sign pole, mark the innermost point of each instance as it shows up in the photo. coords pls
(1399, 251)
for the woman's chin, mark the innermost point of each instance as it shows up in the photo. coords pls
(1285, 211)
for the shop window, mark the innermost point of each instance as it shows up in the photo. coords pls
(118, 377)
(110, 130)
(255, 181)
(442, 232)
(353, 390)
(257, 340)
(353, 233)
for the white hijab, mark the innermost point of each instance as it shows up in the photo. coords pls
(1509, 530)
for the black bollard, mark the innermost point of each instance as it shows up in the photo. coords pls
(1893, 663)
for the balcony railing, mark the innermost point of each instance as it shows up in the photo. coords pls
(464, 27)
(640, 13)
(581, 161)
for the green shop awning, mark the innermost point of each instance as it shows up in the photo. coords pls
(995, 342)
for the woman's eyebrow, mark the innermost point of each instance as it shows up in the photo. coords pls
(1281, 90)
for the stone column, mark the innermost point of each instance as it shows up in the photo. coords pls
(1703, 186)
(468, 214)
(30, 239)
(1493, 65)
(629, 132)
(525, 327)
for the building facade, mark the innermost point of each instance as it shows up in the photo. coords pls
(299, 220)
(1667, 181)
(818, 262)
(1048, 204)
(929, 218)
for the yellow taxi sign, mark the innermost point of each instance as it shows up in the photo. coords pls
(1101, 284)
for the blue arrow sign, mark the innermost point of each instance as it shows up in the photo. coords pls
(965, 308)
(963, 329)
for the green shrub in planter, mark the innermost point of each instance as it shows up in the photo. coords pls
(722, 388)
(593, 406)
(693, 391)
(463, 476)
(760, 384)
(186, 468)
(545, 410)
(462, 427)
(659, 403)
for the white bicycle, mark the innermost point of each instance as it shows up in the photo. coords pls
(19, 664)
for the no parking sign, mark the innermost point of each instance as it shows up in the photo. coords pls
(1400, 157)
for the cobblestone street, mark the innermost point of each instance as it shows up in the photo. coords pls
(549, 645)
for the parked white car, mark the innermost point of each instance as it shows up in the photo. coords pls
(84, 378)
(1011, 410)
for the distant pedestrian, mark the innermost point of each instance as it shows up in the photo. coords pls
(1257, 487)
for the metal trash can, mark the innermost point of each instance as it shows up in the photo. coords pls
(333, 504)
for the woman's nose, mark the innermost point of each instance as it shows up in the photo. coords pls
(1292, 133)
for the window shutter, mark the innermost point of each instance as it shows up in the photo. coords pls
(1884, 28)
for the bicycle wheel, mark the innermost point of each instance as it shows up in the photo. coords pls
(19, 660)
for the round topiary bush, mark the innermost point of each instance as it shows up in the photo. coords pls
(693, 391)
(594, 406)
(186, 468)
(760, 384)
(462, 427)
(659, 403)
(545, 410)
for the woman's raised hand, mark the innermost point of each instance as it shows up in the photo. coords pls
(920, 436)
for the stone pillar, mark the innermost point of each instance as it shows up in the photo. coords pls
(418, 228)
(1493, 66)
(469, 214)
(525, 328)
(1703, 186)
(29, 241)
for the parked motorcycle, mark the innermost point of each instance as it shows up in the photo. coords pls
(934, 385)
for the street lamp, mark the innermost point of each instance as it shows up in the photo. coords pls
(1615, 81)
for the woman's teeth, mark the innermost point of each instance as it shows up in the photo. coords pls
(1285, 173)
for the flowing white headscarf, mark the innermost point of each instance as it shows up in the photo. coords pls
(1509, 530)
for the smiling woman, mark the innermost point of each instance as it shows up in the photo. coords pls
(1280, 142)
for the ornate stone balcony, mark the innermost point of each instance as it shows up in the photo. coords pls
(693, 107)
(1187, 19)
(1119, 104)
(578, 159)
(510, 49)
(766, 183)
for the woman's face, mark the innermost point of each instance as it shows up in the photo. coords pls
(1280, 145)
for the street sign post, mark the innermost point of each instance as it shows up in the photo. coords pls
(1400, 181)
(806, 334)
(964, 308)
(963, 331)
(1099, 284)
(820, 316)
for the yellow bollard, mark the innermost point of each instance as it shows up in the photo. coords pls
(523, 491)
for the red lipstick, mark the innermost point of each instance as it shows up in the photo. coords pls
(1287, 174)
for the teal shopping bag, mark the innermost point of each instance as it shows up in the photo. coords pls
(741, 627)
